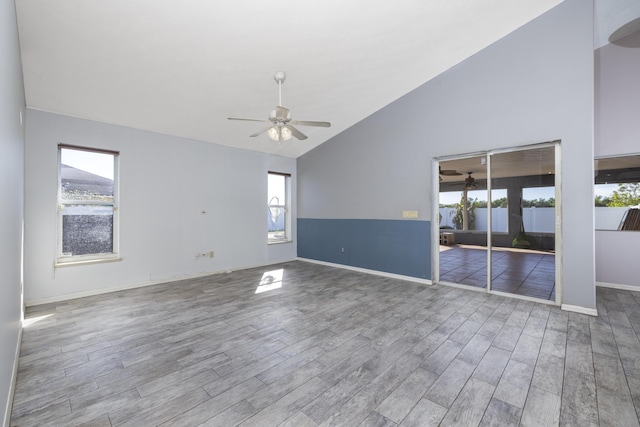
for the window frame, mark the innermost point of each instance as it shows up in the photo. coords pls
(286, 206)
(66, 260)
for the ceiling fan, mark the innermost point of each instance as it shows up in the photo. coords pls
(281, 127)
(469, 182)
(449, 172)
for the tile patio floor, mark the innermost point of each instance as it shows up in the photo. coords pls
(522, 272)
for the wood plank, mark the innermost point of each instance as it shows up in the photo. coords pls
(403, 399)
(470, 405)
(425, 414)
(514, 384)
(217, 405)
(447, 387)
(541, 409)
(500, 413)
(332, 347)
(492, 365)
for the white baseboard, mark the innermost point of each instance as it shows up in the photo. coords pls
(14, 376)
(93, 292)
(618, 286)
(581, 310)
(366, 270)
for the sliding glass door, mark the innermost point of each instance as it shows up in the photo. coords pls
(524, 218)
(498, 219)
(463, 226)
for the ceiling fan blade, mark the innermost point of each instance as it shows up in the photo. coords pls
(248, 120)
(449, 172)
(260, 132)
(295, 132)
(311, 123)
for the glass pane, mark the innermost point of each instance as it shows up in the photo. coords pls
(276, 190)
(87, 229)
(86, 175)
(276, 209)
(463, 221)
(499, 211)
(617, 188)
(523, 253)
(538, 209)
(451, 218)
(277, 221)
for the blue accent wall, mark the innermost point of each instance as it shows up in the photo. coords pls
(392, 246)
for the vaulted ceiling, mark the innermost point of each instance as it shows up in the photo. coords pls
(181, 68)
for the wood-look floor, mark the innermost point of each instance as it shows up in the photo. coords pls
(326, 346)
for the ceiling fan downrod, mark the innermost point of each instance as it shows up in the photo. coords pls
(279, 77)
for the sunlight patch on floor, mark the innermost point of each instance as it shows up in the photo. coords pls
(33, 320)
(270, 280)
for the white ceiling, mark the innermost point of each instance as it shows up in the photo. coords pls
(182, 67)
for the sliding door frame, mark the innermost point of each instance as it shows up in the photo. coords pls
(435, 224)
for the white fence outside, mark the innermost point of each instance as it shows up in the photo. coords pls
(540, 220)
(536, 220)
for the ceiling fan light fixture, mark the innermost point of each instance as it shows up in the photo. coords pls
(286, 133)
(273, 133)
(280, 133)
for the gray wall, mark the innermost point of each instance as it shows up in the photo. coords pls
(617, 132)
(165, 184)
(12, 105)
(534, 85)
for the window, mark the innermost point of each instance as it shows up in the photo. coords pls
(278, 218)
(87, 204)
(617, 193)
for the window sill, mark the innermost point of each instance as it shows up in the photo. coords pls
(59, 264)
(278, 242)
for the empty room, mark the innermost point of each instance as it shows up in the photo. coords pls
(320, 213)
